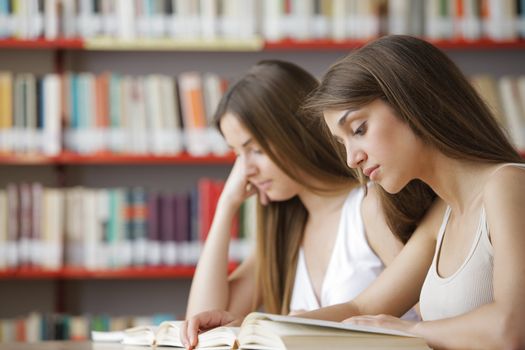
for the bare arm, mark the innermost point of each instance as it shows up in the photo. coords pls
(211, 288)
(380, 238)
(397, 289)
(501, 324)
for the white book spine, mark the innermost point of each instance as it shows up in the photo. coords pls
(273, 17)
(301, 19)
(171, 135)
(339, 12)
(109, 18)
(125, 19)
(52, 123)
(471, 22)
(208, 19)
(70, 26)
(51, 19)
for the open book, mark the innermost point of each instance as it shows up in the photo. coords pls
(168, 334)
(276, 332)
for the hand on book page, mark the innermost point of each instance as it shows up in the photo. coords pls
(269, 332)
(216, 338)
(203, 322)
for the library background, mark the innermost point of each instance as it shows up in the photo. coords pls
(110, 167)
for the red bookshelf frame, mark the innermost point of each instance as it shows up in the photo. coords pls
(333, 45)
(61, 43)
(68, 158)
(119, 159)
(73, 273)
(281, 45)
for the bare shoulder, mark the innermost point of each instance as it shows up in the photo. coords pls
(508, 180)
(504, 199)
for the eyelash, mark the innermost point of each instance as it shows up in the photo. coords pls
(360, 130)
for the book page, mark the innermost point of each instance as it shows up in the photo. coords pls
(216, 338)
(323, 323)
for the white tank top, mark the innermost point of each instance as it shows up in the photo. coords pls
(353, 265)
(470, 286)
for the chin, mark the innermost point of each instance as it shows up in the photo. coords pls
(391, 188)
(280, 197)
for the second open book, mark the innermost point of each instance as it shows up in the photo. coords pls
(269, 332)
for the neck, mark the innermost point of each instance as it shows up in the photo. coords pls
(458, 182)
(320, 205)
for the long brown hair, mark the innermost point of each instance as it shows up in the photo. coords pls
(267, 102)
(428, 92)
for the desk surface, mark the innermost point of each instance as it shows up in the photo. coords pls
(66, 345)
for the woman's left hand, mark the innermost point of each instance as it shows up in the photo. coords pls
(384, 321)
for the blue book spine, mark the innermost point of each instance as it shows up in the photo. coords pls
(4, 13)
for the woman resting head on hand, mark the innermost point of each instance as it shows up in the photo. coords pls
(321, 238)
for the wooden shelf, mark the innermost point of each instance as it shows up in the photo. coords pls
(70, 273)
(237, 45)
(115, 159)
(167, 44)
(162, 44)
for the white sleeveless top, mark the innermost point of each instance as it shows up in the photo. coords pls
(470, 286)
(353, 265)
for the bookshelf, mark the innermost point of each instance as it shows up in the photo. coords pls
(157, 289)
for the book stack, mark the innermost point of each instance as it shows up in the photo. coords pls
(98, 229)
(36, 326)
(153, 114)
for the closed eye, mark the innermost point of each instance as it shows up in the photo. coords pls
(361, 129)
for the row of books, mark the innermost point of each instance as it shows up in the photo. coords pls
(87, 113)
(37, 326)
(98, 229)
(153, 114)
(271, 19)
(458, 19)
(506, 97)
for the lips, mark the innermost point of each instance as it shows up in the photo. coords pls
(369, 170)
(264, 185)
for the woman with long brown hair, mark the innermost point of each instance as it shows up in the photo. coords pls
(411, 122)
(321, 238)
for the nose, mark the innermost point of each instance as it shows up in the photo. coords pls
(249, 166)
(355, 157)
